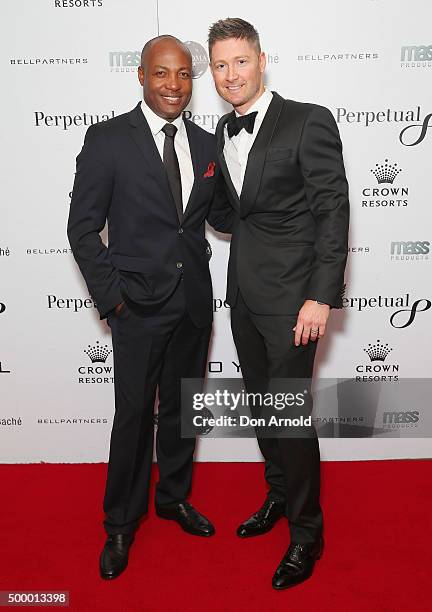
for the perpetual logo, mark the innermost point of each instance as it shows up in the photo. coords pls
(400, 320)
(406, 141)
(408, 136)
(75, 304)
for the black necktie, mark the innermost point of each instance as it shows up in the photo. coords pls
(236, 124)
(172, 167)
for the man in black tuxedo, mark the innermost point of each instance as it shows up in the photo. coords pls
(151, 175)
(283, 168)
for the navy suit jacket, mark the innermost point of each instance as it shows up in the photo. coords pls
(120, 178)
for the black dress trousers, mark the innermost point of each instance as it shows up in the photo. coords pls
(151, 350)
(266, 350)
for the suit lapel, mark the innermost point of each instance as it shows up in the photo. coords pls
(257, 155)
(194, 146)
(143, 137)
(220, 135)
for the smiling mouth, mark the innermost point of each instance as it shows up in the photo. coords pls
(234, 88)
(172, 99)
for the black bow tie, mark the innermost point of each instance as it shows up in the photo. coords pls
(236, 124)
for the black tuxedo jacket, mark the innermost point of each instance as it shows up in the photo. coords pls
(120, 177)
(290, 233)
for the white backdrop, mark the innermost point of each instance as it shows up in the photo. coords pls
(66, 63)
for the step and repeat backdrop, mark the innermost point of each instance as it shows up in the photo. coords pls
(69, 63)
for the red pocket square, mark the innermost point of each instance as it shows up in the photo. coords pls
(210, 170)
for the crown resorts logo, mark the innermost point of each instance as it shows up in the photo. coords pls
(382, 196)
(376, 370)
(386, 172)
(98, 353)
(378, 351)
(96, 374)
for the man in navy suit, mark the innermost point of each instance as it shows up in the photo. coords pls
(151, 175)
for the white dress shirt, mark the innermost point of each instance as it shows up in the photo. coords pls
(181, 146)
(236, 149)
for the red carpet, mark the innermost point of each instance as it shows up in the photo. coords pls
(377, 556)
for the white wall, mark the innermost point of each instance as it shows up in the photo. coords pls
(344, 55)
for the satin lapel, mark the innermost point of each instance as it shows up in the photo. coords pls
(220, 135)
(257, 154)
(194, 147)
(141, 134)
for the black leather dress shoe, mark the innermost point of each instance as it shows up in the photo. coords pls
(114, 556)
(297, 564)
(188, 518)
(262, 521)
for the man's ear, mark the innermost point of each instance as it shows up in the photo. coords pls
(141, 75)
(262, 61)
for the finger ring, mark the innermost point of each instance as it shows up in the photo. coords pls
(314, 331)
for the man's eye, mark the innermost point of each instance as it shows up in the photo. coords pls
(160, 73)
(242, 61)
(184, 75)
(219, 66)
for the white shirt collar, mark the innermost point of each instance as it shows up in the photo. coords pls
(156, 123)
(260, 106)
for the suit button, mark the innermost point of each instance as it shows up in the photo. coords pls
(180, 231)
(179, 264)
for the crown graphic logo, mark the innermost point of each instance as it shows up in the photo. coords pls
(98, 353)
(378, 351)
(386, 173)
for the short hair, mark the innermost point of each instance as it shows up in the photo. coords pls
(233, 27)
(152, 41)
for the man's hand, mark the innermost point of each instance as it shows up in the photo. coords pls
(118, 308)
(311, 322)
